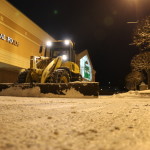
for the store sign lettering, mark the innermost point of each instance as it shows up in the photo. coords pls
(9, 39)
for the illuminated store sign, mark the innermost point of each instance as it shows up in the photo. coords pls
(9, 39)
(85, 68)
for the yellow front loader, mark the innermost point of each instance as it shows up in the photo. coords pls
(57, 73)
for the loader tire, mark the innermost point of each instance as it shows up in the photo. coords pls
(63, 76)
(60, 76)
(22, 77)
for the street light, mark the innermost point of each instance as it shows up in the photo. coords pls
(135, 2)
(132, 22)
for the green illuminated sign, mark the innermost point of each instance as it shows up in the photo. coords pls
(85, 68)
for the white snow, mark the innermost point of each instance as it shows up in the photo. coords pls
(35, 92)
(133, 94)
(72, 93)
(119, 122)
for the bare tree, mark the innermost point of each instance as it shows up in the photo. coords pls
(141, 37)
(141, 62)
(133, 79)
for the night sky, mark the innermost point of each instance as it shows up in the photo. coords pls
(100, 26)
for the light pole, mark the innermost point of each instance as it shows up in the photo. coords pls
(135, 3)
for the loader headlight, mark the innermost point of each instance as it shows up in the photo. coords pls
(64, 57)
(49, 43)
(67, 42)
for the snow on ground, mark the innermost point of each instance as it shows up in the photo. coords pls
(117, 122)
(144, 93)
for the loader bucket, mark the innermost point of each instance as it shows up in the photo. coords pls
(72, 89)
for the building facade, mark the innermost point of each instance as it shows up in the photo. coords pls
(86, 68)
(20, 38)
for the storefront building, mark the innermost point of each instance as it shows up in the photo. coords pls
(20, 38)
(86, 68)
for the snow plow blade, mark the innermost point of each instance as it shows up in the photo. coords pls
(72, 89)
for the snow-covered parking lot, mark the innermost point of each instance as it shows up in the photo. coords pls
(118, 122)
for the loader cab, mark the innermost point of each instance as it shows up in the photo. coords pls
(62, 48)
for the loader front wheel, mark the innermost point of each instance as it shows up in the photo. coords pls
(59, 76)
(63, 77)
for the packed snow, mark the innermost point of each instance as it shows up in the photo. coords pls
(35, 92)
(134, 94)
(72, 93)
(116, 122)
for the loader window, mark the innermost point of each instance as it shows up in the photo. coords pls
(59, 49)
(59, 53)
(56, 53)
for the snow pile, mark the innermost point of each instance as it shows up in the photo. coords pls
(127, 94)
(35, 92)
(131, 94)
(17, 91)
(73, 93)
(145, 92)
(68, 94)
